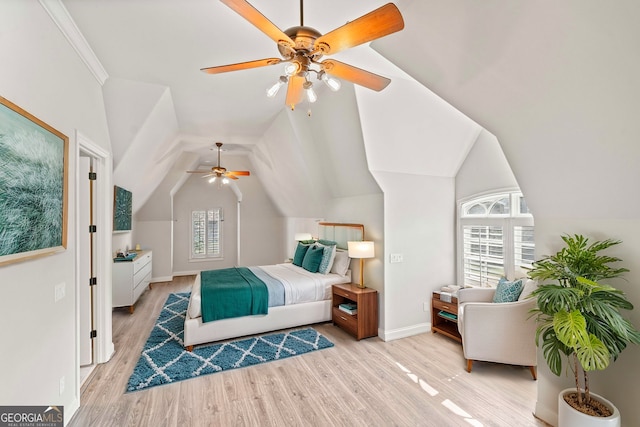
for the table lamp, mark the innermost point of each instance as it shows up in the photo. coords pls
(361, 250)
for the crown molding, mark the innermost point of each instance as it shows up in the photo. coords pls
(60, 15)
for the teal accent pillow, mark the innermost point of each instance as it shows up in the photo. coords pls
(301, 251)
(328, 254)
(327, 242)
(507, 291)
(313, 258)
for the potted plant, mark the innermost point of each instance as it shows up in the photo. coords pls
(579, 319)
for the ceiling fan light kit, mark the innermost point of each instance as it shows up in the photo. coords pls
(302, 48)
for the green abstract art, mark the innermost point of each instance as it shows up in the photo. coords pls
(33, 186)
(122, 201)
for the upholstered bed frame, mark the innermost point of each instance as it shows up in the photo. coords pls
(287, 316)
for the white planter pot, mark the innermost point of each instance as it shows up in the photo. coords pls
(569, 417)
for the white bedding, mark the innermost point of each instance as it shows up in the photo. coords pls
(300, 285)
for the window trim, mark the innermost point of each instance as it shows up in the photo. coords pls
(507, 221)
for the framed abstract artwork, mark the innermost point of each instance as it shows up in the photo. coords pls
(122, 204)
(34, 174)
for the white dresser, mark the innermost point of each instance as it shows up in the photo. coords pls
(130, 279)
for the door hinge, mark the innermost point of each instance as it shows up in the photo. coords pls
(93, 176)
(93, 334)
(93, 229)
(93, 281)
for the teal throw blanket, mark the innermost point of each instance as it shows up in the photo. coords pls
(232, 292)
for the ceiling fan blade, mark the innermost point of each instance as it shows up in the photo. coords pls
(239, 173)
(355, 74)
(378, 23)
(230, 176)
(251, 14)
(241, 66)
(294, 91)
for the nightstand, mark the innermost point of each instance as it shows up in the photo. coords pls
(364, 323)
(444, 317)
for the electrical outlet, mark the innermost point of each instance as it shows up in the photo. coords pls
(61, 385)
(396, 258)
(59, 291)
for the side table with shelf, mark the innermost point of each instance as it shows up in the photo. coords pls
(364, 323)
(444, 317)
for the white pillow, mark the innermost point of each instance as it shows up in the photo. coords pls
(529, 286)
(341, 262)
(195, 307)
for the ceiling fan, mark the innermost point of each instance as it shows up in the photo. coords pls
(302, 48)
(219, 171)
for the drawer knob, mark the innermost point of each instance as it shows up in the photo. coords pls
(343, 318)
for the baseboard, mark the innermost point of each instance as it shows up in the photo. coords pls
(394, 334)
(546, 414)
(186, 273)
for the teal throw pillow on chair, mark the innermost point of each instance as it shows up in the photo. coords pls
(507, 291)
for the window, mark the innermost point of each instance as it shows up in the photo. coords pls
(206, 234)
(495, 238)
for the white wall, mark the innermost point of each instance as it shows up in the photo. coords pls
(419, 218)
(43, 75)
(485, 169)
(156, 236)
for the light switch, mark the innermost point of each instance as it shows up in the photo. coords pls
(59, 291)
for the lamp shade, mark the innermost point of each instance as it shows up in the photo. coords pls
(360, 249)
(302, 236)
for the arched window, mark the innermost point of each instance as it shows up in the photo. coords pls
(495, 238)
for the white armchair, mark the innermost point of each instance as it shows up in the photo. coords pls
(497, 332)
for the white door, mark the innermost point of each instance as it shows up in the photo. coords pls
(86, 271)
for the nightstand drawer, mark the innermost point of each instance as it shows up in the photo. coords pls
(346, 321)
(445, 306)
(345, 293)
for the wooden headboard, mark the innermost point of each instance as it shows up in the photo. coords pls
(341, 232)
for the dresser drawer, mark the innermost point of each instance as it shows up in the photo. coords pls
(139, 275)
(346, 321)
(141, 261)
(141, 286)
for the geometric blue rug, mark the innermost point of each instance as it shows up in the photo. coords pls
(164, 359)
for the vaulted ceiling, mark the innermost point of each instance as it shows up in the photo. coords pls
(164, 114)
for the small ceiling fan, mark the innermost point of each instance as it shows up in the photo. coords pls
(302, 48)
(220, 172)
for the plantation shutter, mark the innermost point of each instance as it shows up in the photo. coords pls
(523, 245)
(206, 233)
(483, 254)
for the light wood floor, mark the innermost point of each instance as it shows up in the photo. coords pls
(415, 381)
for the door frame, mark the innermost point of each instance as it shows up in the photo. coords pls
(103, 162)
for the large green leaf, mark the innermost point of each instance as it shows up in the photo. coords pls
(552, 349)
(593, 356)
(552, 298)
(571, 328)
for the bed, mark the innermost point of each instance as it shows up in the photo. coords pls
(306, 299)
